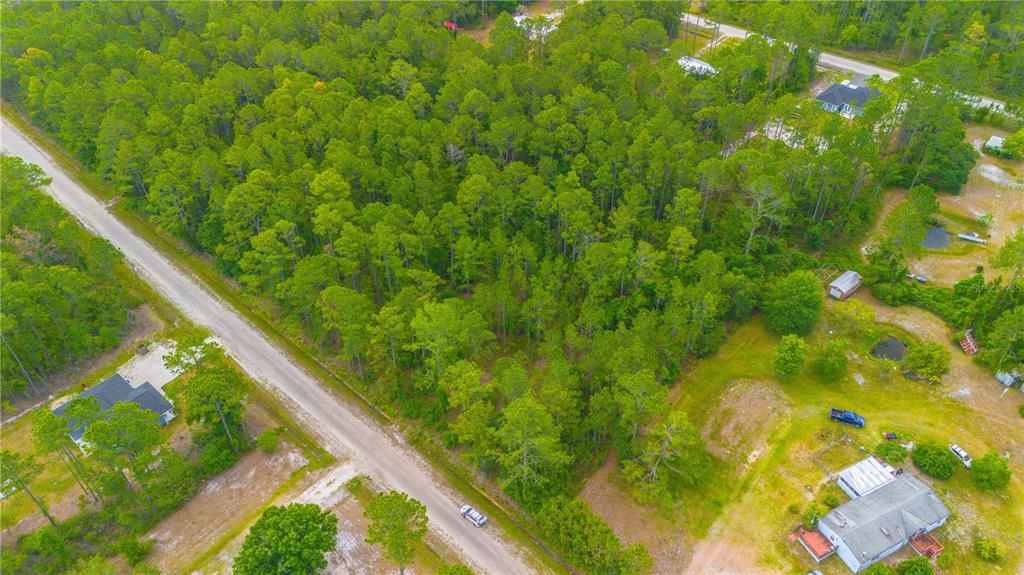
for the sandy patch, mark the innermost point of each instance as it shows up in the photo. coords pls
(736, 432)
(667, 543)
(148, 365)
(220, 504)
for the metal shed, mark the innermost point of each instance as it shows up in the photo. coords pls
(844, 286)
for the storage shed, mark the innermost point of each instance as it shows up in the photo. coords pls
(844, 286)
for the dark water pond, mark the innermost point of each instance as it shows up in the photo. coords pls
(937, 237)
(890, 348)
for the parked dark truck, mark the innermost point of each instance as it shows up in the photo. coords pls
(847, 417)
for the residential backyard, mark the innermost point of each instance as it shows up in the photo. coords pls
(771, 438)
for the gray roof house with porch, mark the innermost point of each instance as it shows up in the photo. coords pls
(846, 98)
(880, 522)
(116, 389)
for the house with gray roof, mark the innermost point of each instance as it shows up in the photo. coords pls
(116, 389)
(890, 514)
(846, 98)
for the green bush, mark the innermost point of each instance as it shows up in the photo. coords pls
(1020, 410)
(790, 356)
(587, 541)
(831, 362)
(268, 441)
(928, 359)
(794, 304)
(991, 471)
(915, 566)
(812, 515)
(831, 501)
(135, 551)
(989, 550)
(935, 460)
(892, 452)
(216, 456)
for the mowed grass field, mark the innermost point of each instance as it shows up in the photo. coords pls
(770, 437)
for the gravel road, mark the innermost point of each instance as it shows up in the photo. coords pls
(339, 426)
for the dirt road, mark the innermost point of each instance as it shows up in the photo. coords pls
(338, 425)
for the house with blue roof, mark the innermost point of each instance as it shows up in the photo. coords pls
(116, 389)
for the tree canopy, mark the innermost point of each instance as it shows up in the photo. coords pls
(288, 539)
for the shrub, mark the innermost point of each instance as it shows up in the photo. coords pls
(830, 365)
(793, 508)
(1020, 410)
(794, 304)
(586, 540)
(135, 551)
(990, 471)
(831, 501)
(790, 356)
(989, 550)
(935, 460)
(892, 452)
(268, 440)
(813, 513)
(928, 359)
(915, 566)
(216, 456)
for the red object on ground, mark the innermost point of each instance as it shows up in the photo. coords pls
(450, 25)
(968, 343)
(926, 545)
(814, 542)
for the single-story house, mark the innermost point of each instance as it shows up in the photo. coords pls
(116, 389)
(697, 67)
(844, 285)
(899, 511)
(846, 98)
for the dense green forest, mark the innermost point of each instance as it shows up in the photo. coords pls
(63, 300)
(63, 297)
(521, 244)
(983, 42)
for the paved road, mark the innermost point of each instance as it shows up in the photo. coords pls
(336, 423)
(825, 59)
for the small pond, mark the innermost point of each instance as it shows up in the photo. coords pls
(890, 348)
(937, 237)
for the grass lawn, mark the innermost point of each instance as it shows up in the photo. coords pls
(760, 491)
(53, 485)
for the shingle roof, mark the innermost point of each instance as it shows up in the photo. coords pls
(886, 516)
(149, 398)
(107, 392)
(839, 94)
(116, 389)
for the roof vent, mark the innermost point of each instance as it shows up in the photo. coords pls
(884, 531)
